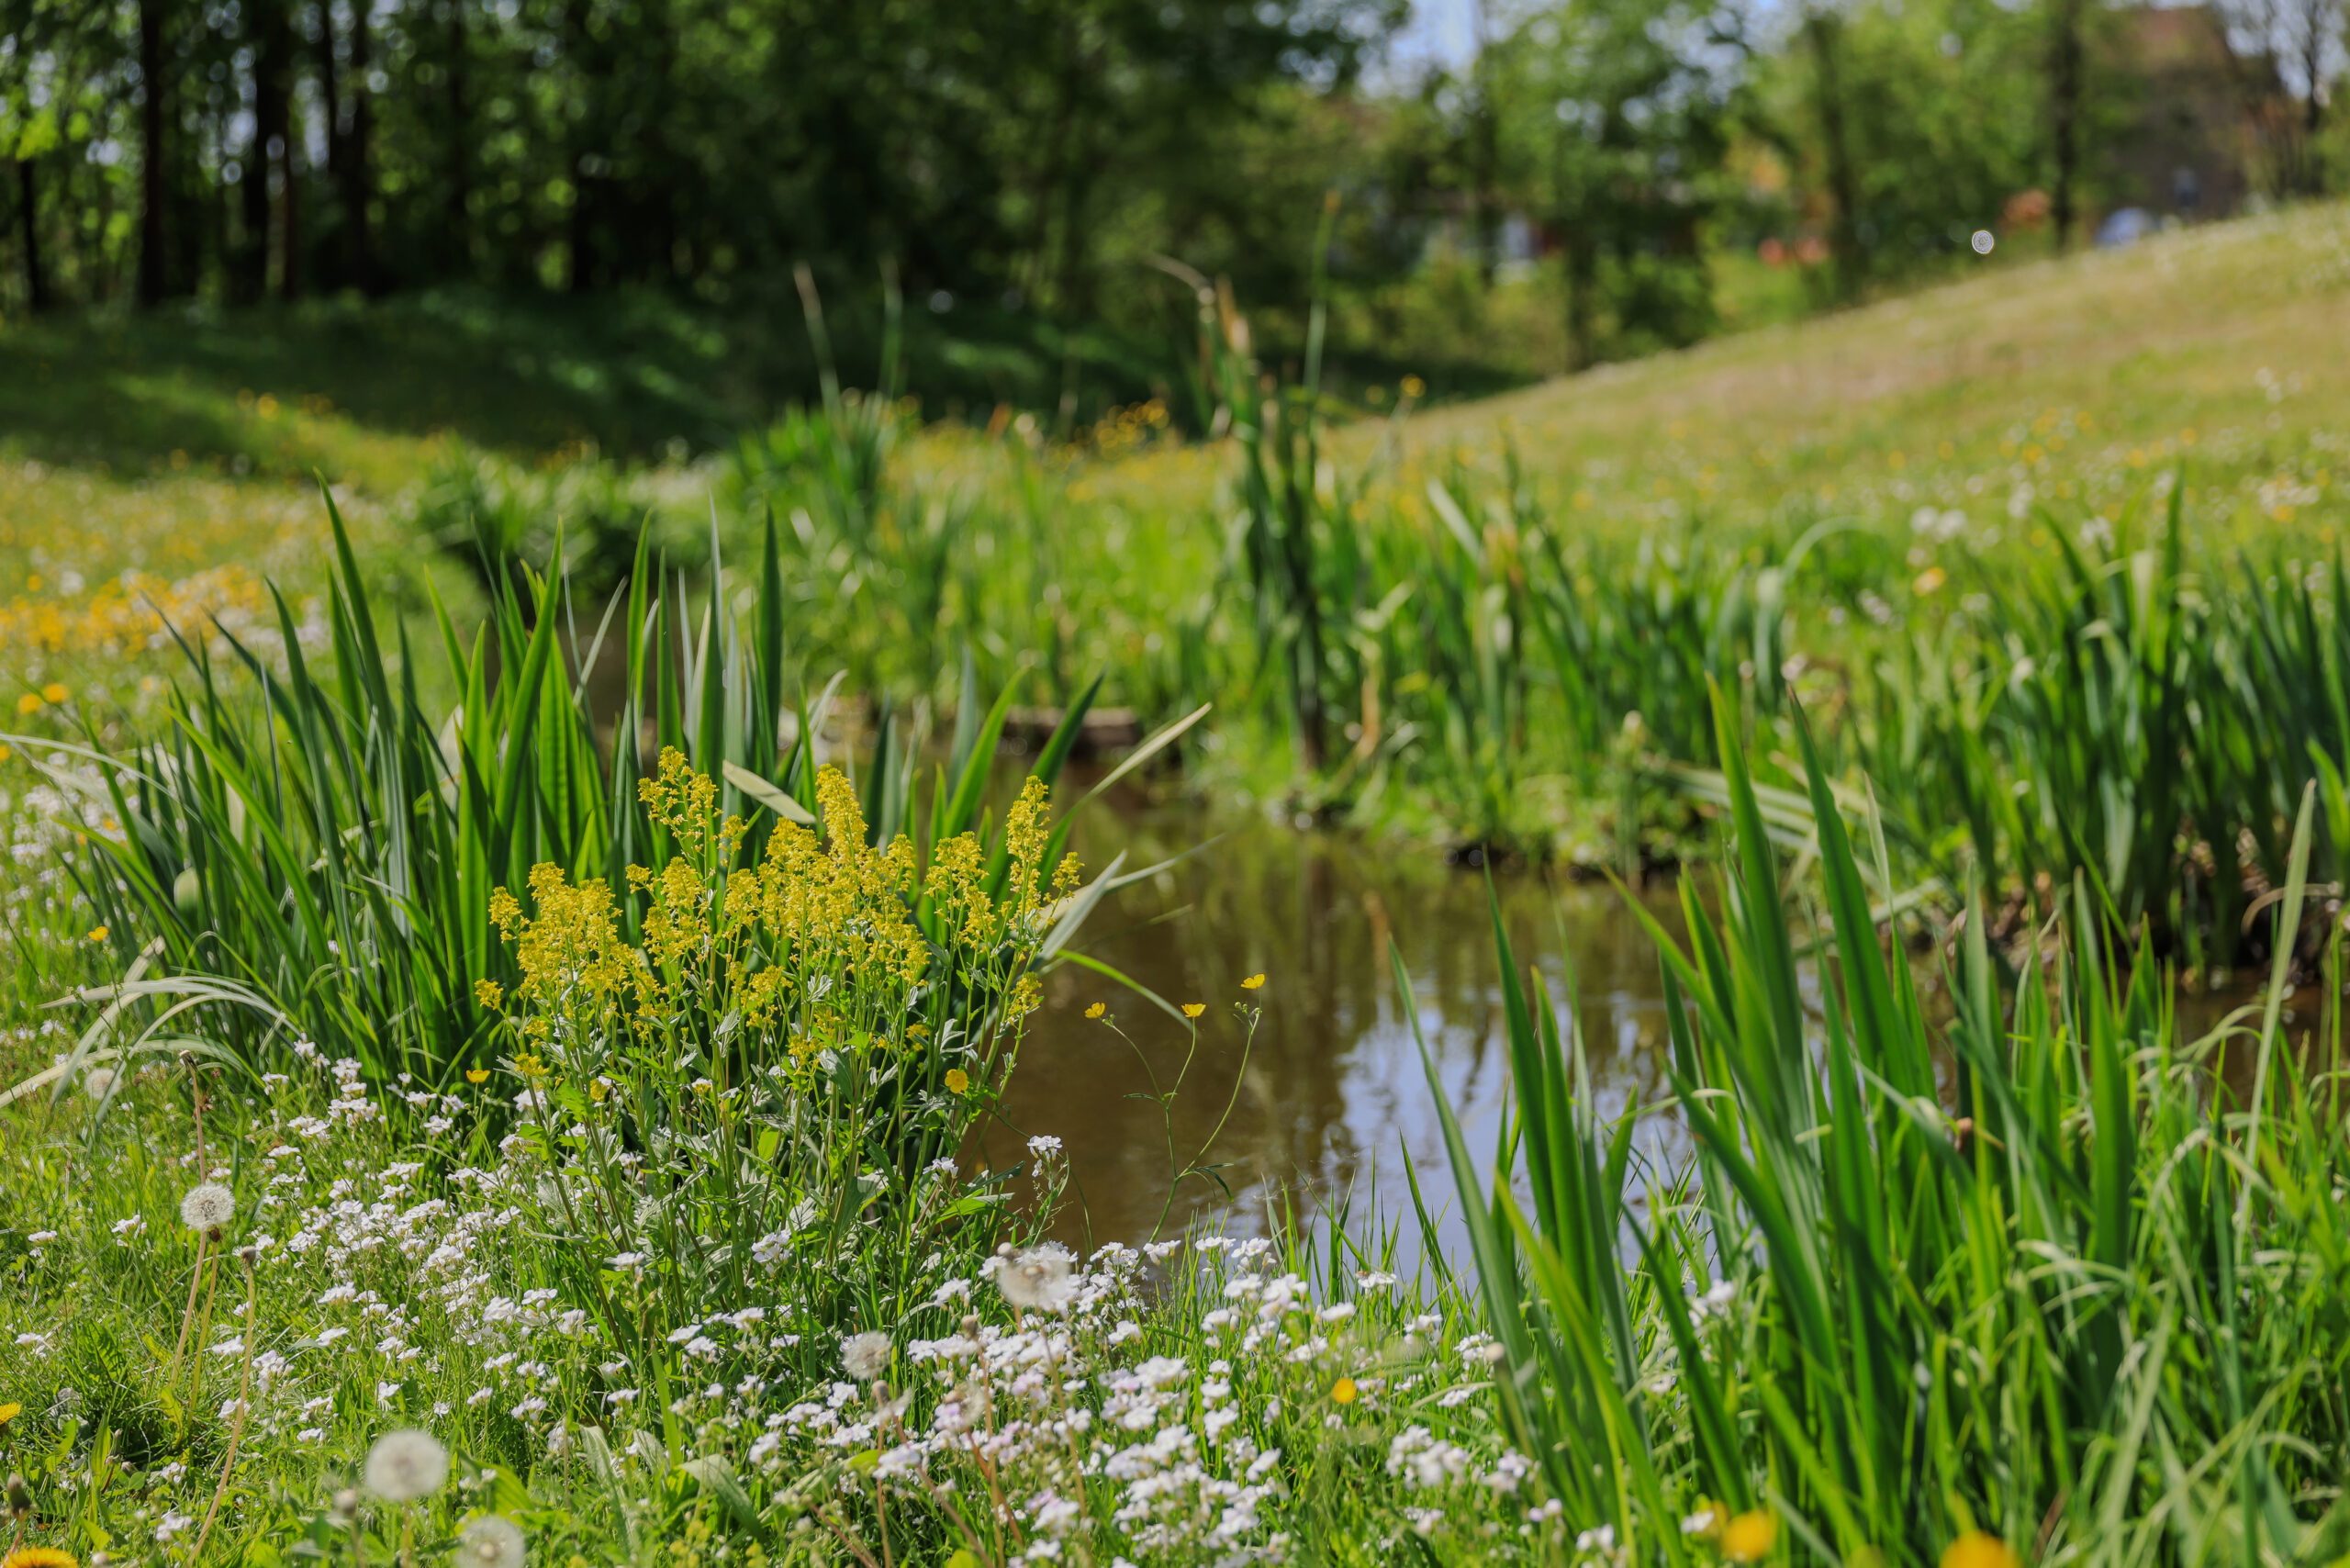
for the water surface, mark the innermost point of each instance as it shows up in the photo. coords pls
(1329, 1103)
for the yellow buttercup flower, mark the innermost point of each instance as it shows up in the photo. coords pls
(1344, 1391)
(1098, 1009)
(97, 933)
(29, 703)
(957, 1080)
(1977, 1549)
(55, 692)
(1193, 1009)
(1749, 1536)
(476, 1075)
(1252, 983)
(9, 1412)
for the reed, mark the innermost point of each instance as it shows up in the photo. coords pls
(2051, 1270)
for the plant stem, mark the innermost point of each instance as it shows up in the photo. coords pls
(236, 1432)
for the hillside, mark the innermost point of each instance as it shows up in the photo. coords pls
(2061, 382)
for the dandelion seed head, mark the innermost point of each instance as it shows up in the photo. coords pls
(1041, 1279)
(98, 1082)
(208, 1207)
(490, 1541)
(866, 1356)
(406, 1466)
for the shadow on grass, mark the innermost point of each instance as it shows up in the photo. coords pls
(321, 384)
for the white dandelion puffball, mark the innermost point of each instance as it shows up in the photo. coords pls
(1041, 1279)
(406, 1466)
(491, 1542)
(98, 1082)
(866, 1356)
(207, 1207)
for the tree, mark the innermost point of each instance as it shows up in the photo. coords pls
(1616, 116)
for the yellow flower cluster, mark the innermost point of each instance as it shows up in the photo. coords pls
(844, 906)
(124, 612)
(824, 920)
(570, 952)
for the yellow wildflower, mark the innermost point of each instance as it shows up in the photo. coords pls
(1344, 1391)
(1098, 1009)
(40, 1557)
(476, 1075)
(10, 1412)
(55, 692)
(29, 703)
(957, 1080)
(1977, 1549)
(1749, 1536)
(1193, 1009)
(97, 933)
(1253, 982)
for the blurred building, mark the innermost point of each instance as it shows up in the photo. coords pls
(2190, 151)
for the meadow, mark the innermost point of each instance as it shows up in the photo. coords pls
(499, 1024)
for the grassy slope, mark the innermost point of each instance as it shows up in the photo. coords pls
(1954, 397)
(2234, 329)
(160, 447)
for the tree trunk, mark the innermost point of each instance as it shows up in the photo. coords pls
(1822, 32)
(1583, 265)
(154, 251)
(1484, 177)
(36, 295)
(585, 65)
(2064, 116)
(274, 120)
(352, 172)
(459, 240)
(266, 35)
(335, 269)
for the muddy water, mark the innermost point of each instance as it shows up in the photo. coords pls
(1329, 1102)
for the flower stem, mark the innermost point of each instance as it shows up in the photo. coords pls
(244, 1407)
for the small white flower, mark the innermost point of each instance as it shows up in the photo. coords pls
(1045, 1147)
(490, 1541)
(208, 1207)
(866, 1356)
(406, 1466)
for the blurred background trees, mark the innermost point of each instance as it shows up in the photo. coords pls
(1596, 178)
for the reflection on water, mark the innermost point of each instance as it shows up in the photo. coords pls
(1332, 1100)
